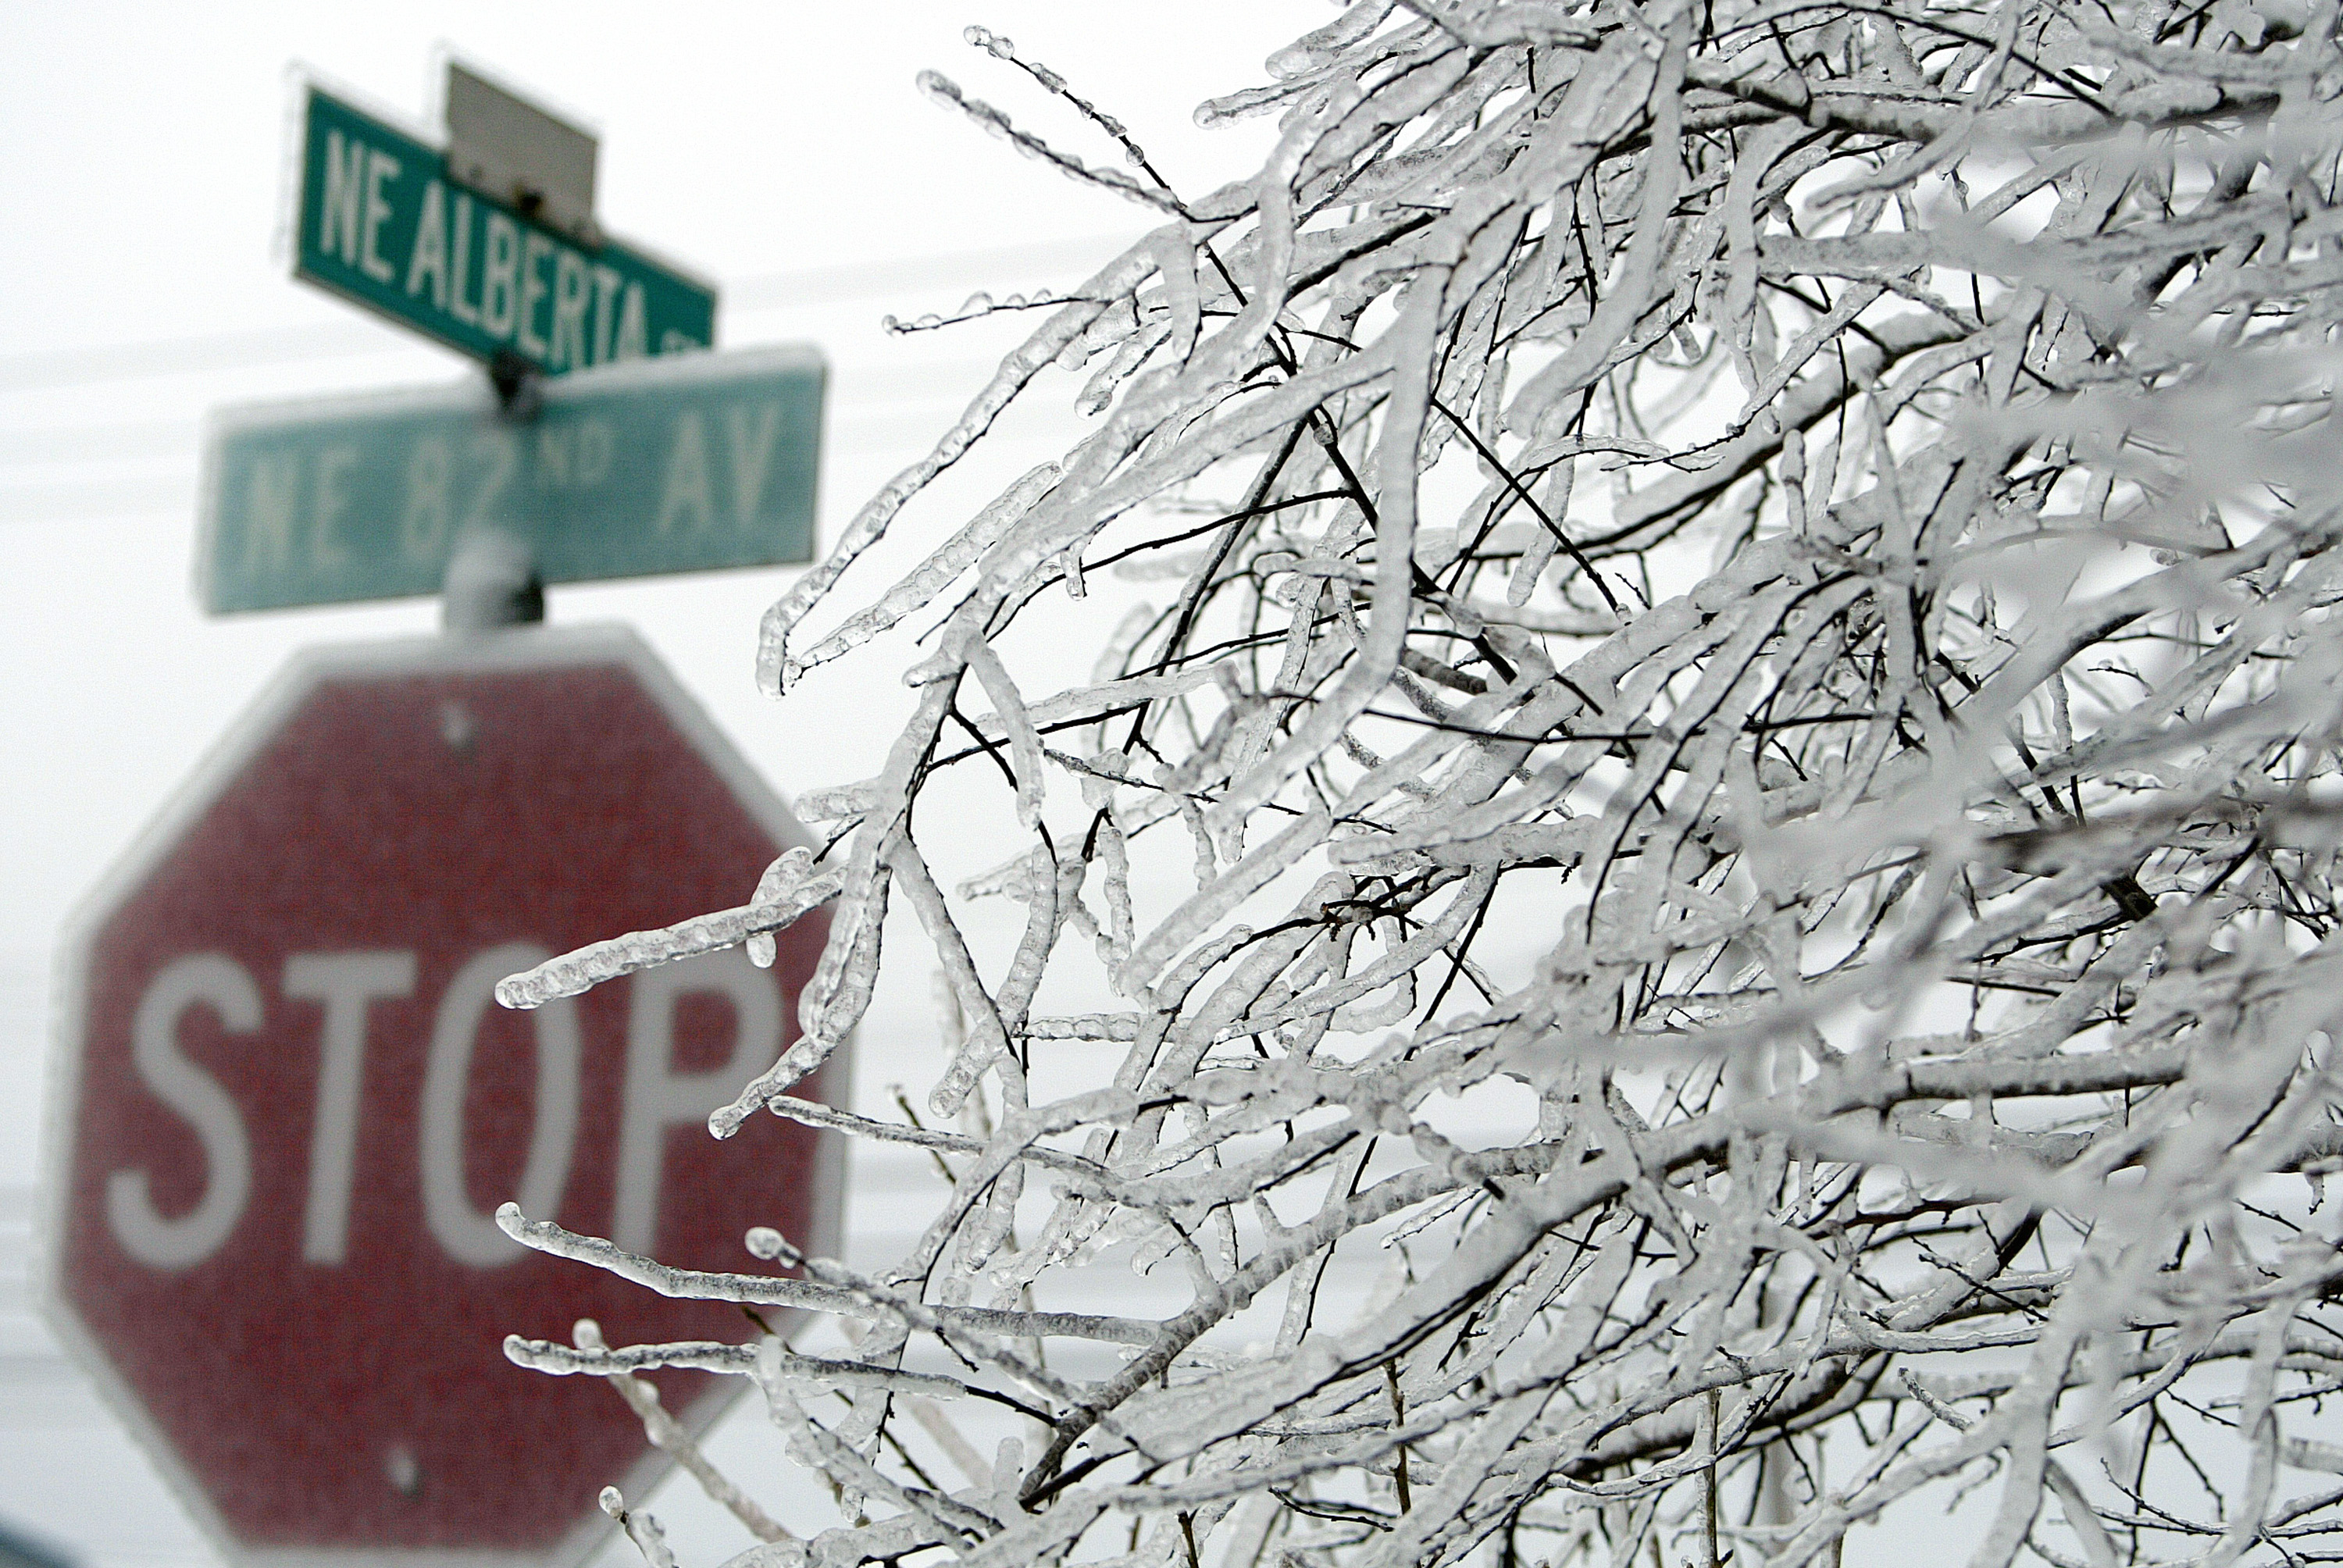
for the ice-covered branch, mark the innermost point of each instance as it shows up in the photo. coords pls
(1705, 909)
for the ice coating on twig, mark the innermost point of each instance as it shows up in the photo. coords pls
(932, 576)
(544, 1355)
(775, 669)
(670, 1437)
(574, 973)
(944, 90)
(687, 1284)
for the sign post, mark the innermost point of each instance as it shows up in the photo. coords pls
(286, 1107)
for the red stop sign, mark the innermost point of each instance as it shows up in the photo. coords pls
(288, 1107)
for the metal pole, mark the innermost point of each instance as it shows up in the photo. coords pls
(492, 582)
(492, 579)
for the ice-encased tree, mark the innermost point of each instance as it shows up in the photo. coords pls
(1819, 523)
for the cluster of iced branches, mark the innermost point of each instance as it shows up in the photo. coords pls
(1750, 588)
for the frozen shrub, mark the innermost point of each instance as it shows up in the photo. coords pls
(1819, 521)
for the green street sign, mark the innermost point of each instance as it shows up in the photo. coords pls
(382, 224)
(686, 463)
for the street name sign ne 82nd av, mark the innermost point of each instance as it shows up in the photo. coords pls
(686, 463)
(381, 222)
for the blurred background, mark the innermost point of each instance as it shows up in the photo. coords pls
(780, 149)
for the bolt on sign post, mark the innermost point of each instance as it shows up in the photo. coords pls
(285, 1107)
(383, 222)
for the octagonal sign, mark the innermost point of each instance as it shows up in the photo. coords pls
(285, 1106)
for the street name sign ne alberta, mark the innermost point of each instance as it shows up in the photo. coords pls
(381, 222)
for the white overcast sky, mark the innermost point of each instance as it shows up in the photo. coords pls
(780, 147)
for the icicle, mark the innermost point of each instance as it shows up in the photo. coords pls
(781, 879)
(641, 1529)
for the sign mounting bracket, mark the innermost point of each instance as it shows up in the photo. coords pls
(508, 149)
